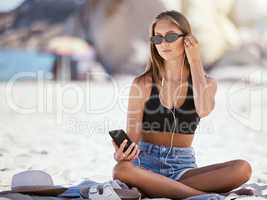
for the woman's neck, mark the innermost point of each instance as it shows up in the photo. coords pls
(175, 70)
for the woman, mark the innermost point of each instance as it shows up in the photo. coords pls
(165, 105)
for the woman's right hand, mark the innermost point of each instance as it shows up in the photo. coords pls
(119, 155)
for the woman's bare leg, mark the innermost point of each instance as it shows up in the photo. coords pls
(219, 178)
(150, 183)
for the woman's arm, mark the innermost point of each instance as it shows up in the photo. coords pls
(204, 87)
(136, 109)
(134, 122)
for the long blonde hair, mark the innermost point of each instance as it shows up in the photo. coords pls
(155, 64)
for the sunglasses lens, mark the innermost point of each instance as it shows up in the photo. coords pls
(171, 37)
(157, 39)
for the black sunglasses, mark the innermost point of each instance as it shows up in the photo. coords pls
(169, 37)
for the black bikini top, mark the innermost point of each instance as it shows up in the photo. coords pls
(158, 117)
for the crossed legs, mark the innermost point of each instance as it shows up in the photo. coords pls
(217, 178)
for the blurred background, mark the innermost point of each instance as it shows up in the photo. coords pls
(66, 67)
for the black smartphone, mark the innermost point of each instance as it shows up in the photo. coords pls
(119, 136)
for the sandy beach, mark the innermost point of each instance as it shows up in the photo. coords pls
(62, 128)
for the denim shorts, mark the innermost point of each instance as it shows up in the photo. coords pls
(170, 162)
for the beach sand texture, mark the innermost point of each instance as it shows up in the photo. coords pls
(47, 127)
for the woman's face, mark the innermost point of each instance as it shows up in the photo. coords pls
(173, 50)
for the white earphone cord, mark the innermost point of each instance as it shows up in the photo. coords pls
(174, 118)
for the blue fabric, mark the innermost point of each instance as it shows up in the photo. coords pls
(211, 196)
(74, 191)
(170, 162)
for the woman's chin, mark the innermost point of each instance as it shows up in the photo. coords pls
(167, 57)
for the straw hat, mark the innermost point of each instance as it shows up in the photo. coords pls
(35, 182)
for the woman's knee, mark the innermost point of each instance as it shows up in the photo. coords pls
(122, 169)
(242, 169)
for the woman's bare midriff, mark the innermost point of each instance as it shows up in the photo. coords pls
(164, 138)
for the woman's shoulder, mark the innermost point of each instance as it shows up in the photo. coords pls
(142, 83)
(143, 78)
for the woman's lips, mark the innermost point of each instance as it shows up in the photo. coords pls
(166, 50)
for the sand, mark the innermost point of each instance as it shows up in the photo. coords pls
(45, 126)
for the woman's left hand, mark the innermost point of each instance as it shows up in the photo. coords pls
(192, 49)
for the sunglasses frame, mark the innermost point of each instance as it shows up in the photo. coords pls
(152, 39)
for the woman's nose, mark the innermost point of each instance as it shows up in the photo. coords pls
(165, 44)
